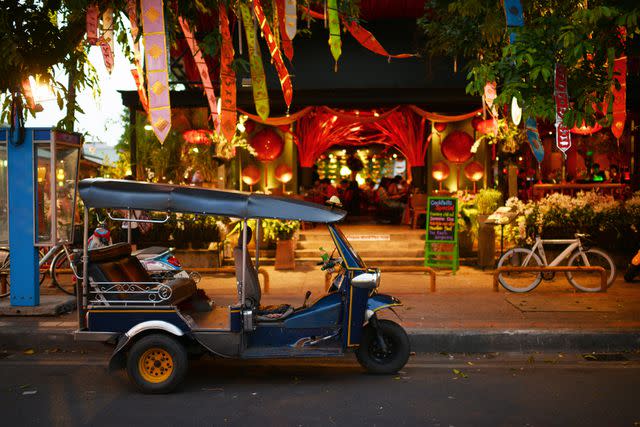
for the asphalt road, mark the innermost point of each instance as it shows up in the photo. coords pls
(433, 390)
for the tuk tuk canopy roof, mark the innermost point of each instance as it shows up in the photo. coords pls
(135, 195)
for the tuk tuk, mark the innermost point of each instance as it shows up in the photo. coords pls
(156, 325)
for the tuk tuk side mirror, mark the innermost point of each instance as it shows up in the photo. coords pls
(367, 280)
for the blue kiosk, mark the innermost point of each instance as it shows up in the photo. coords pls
(38, 185)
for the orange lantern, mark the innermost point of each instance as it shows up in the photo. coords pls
(488, 126)
(440, 172)
(474, 172)
(475, 122)
(268, 144)
(440, 126)
(250, 176)
(586, 130)
(283, 174)
(456, 148)
(198, 136)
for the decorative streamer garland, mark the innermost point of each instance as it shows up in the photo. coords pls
(283, 73)
(106, 39)
(287, 45)
(335, 43)
(367, 40)
(291, 18)
(156, 64)
(138, 75)
(227, 79)
(92, 24)
(258, 80)
(202, 68)
(563, 135)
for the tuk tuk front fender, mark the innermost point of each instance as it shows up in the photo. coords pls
(379, 302)
(117, 360)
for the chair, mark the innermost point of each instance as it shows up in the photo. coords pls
(418, 206)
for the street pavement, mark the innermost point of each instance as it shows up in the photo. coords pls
(552, 389)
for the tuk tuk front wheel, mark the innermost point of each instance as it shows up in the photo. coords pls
(389, 360)
(157, 363)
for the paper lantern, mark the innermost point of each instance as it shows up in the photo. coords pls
(283, 173)
(456, 147)
(440, 172)
(475, 122)
(250, 176)
(586, 130)
(285, 128)
(440, 126)
(198, 136)
(488, 126)
(249, 126)
(474, 173)
(268, 144)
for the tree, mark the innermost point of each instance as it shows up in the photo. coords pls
(584, 36)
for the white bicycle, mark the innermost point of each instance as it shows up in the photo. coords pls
(579, 255)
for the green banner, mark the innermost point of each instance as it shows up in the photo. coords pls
(258, 80)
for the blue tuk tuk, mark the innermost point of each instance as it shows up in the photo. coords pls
(155, 325)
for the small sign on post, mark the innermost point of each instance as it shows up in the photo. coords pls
(441, 246)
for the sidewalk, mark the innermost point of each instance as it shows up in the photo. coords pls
(463, 315)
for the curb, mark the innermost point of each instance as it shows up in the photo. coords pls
(422, 341)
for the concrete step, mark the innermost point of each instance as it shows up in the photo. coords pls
(361, 246)
(371, 262)
(380, 252)
(370, 237)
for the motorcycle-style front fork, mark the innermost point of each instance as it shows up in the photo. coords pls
(376, 326)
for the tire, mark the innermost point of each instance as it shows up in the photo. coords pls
(157, 363)
(590, 282)
(524, 281)
(397, 341)
(4, 269)
(63, 281)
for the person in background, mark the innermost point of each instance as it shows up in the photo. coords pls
(327, 190)
(613, 174)
(596, 174)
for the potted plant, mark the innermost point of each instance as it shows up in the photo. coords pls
(282, 232)
(487, 201)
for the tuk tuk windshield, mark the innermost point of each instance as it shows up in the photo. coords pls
(351, 257)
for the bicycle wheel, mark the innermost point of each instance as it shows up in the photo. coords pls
(4, 269)
(61, 274)
(588, 281)
(516, 281)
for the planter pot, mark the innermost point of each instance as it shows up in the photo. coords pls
(285, 255)
(465, 243)
(486, 243)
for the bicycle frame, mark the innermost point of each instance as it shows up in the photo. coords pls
(538, 246)
(52, 253)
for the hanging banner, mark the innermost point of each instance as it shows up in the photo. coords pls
(367, 40)
(258, 80)
(287, 46)
(534, 139)
(203, 70)
(490, 94)
(138, 76)
(563, 135)
(291, 18)
(141, 93)
(227, 79)
(283, 73)
(156, 64)
(132, 14)
(335, 43)
(92, 23)
(28, 94)
(514, 15)
(106, 39)
(619, 96)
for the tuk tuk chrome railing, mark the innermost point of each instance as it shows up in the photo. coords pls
(152, 293)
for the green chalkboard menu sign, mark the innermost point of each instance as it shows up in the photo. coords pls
(441, 248)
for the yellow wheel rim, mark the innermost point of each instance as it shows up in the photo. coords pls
(155, 365)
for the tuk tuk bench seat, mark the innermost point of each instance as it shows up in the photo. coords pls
(113, 265)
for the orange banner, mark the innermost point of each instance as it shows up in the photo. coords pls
(92, 23)
(368, 41)
(287, 45)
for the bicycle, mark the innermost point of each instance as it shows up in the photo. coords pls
(56, 262)
(579, 254)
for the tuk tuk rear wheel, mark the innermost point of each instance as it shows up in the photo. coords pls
(377, 361)
(157, 363)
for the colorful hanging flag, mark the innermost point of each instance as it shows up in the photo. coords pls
(92, 23)
(227, 119)
(335, 43)
(138, 76)
(141, 93)
(155, 43)
(287, 45)
(291, 18)
(106, 39)
(367, 40)
(258, 80)
(619, 96)
(283, 73)
(514, 15)
(203, 70)
(563, 135)
(534, 139)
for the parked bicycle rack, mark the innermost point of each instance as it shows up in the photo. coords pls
(556, 269)
(397, 269)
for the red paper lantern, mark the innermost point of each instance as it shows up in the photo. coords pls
(440, 171)
(198, 136)
(474, 171)
(440, 126)
(283, 173)
(475, 122)
(456, 147)
(249, 126)
(250, 175)
(586, 130)
(285, 128)
(268, 144)
(488, 126)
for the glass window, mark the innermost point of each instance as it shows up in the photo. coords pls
(43, 193)
(65, 175)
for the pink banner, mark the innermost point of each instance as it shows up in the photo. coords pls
(92, 23)
(563, 134)
(106, 39)
(202, 68)
(156, 63)
(138, 75)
